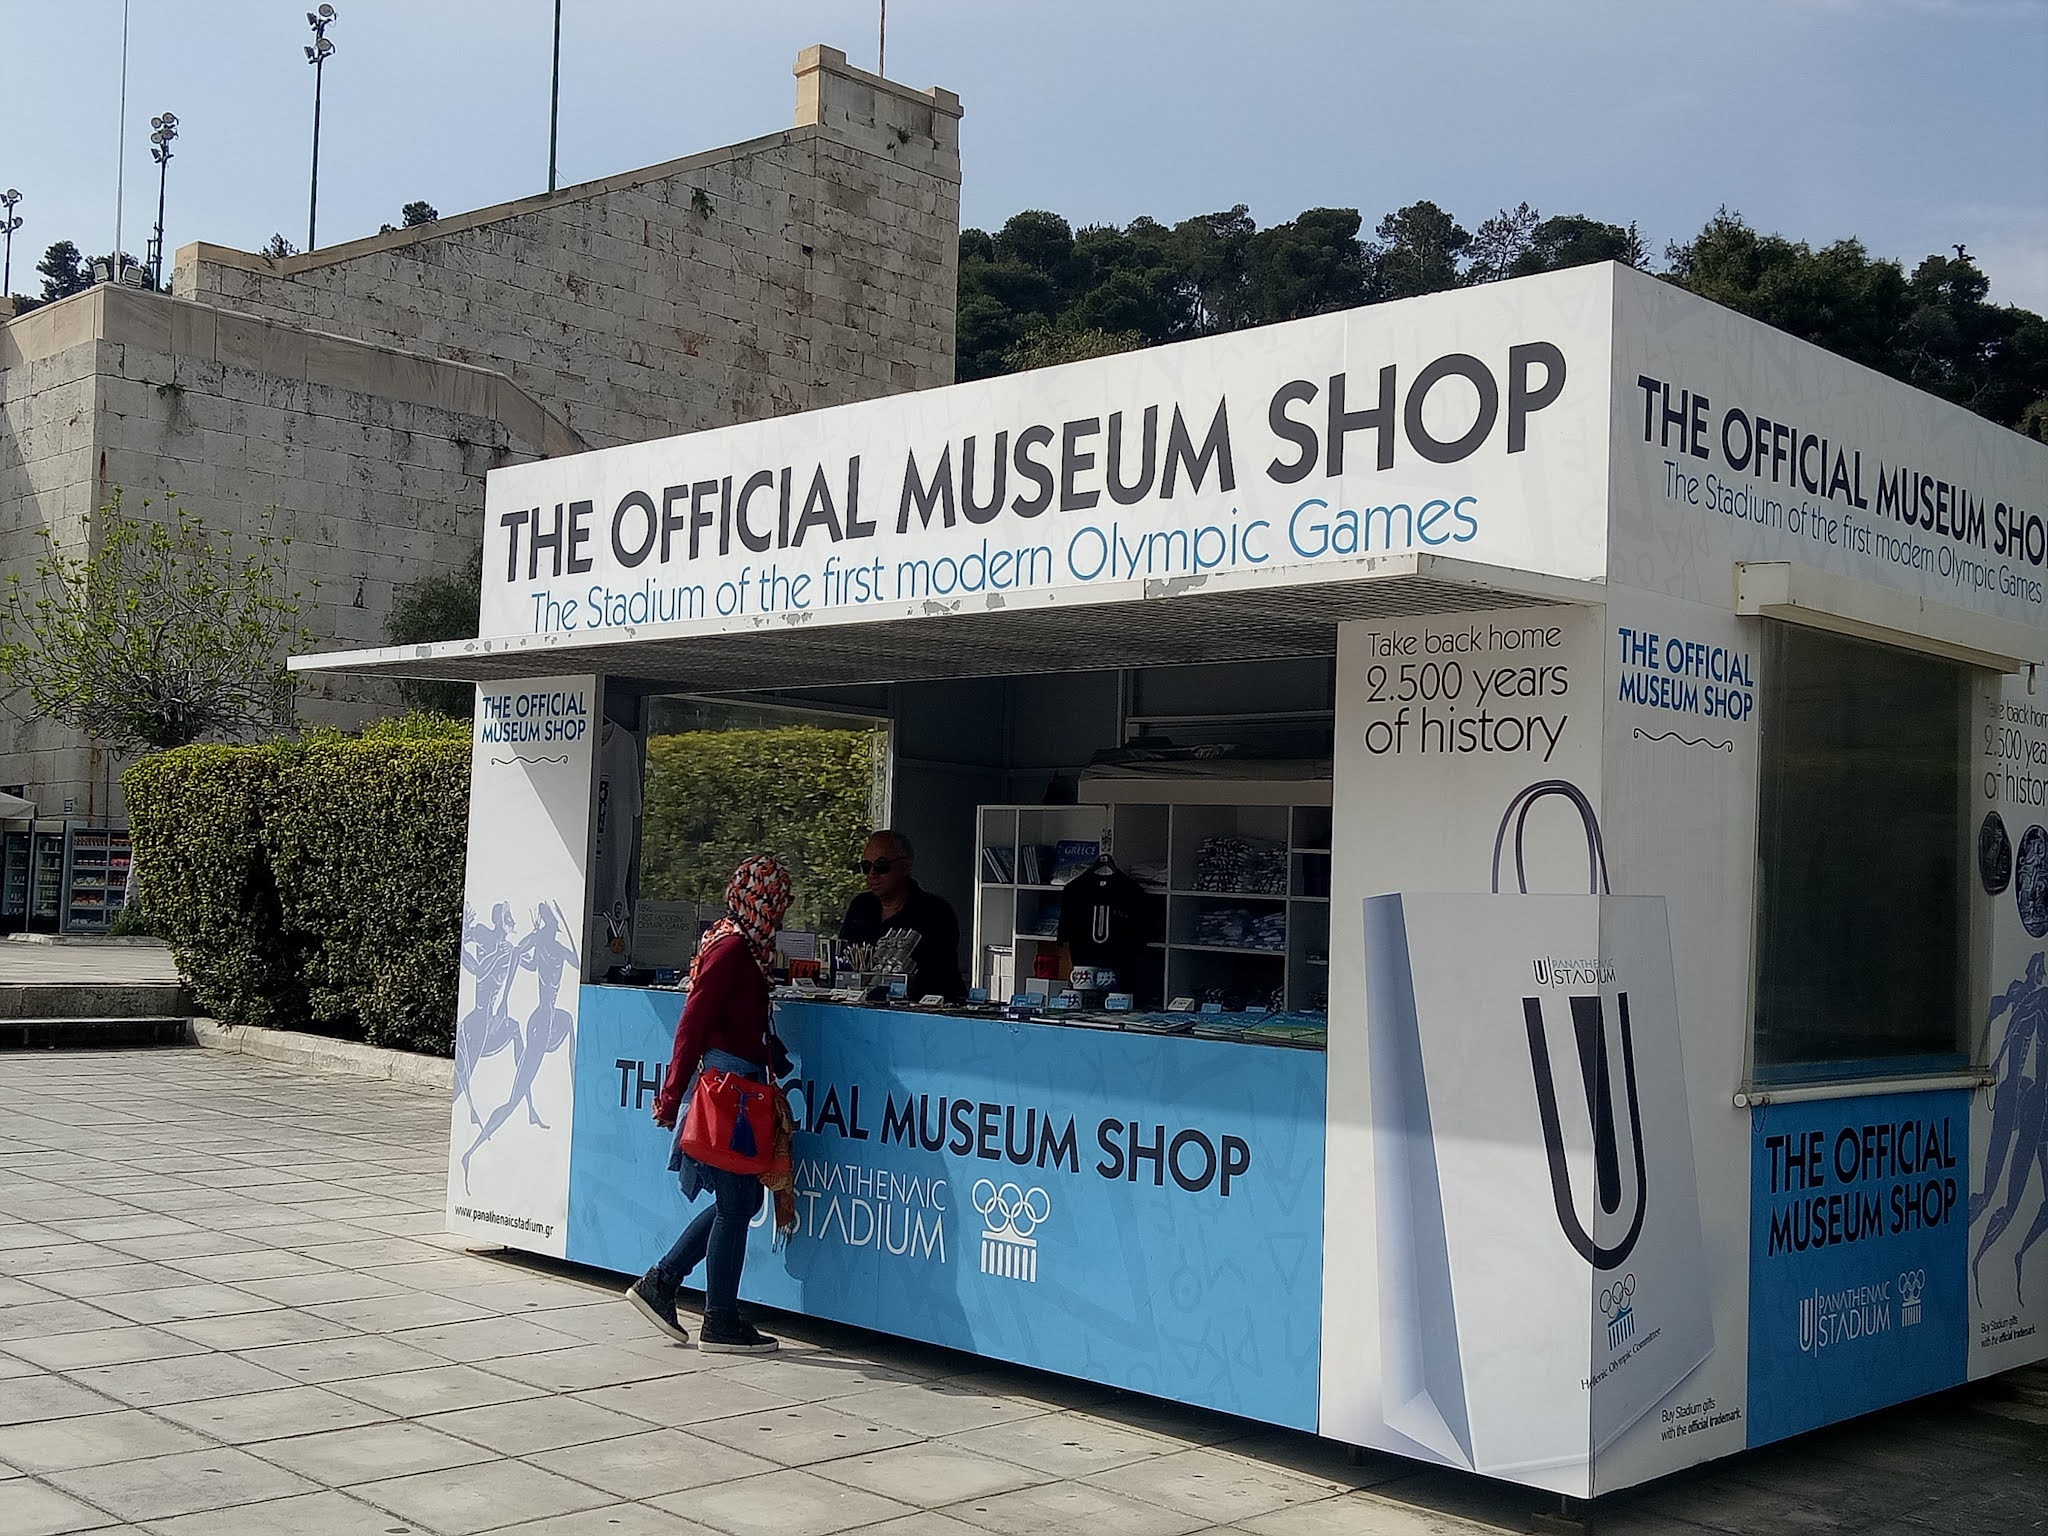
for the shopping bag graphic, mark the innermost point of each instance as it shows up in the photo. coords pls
(1540, 1257)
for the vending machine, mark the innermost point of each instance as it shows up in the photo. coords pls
(46, 877)
(14, 848)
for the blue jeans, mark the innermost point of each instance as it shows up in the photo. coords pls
(717, 1239)
(717, 1236)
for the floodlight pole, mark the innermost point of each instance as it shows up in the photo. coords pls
(317, 57)
(9, 223)
(166, 128)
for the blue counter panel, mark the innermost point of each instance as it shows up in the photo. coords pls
(1136, 1210)
(1858, 1292)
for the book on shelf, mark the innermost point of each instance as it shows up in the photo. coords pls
(998, 866)
(1072, 857)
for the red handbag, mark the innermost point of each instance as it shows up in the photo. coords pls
(731, 1123)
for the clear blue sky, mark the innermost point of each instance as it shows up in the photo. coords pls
(1912, 124)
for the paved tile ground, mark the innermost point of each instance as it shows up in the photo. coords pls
(226, 1308)
(95, 961)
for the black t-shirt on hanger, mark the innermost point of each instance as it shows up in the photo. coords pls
(1105, 918)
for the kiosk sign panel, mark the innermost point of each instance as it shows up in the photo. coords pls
(1858, 1292)
(1468, 424)
(1734, 441)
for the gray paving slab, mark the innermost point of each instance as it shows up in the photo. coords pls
(940, 1474)
(352, 1355)
(926, 1522)
(370, 1452)
(537, 1424)
(109, 1280)
(1221, 1489)
(127, 1434)
(216, 1478)
(1066, 1444)
(585, 1367)
(655, 1461)
(490, 1338)
(31, 1508)
(310, 1514)
(252, 1416)
(43, 1398)
(615, 1520)
(697, 1397)
(236, 1313)
(87, 960)
(800, 1434)
(487, 1496)
(1061, 1508)
(189, 1378)
(790, 1502)
(257, 1330)
(437, 1389)
(936, 1407)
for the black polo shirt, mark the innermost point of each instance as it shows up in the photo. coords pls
(935, 962)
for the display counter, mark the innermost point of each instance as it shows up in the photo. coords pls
(1130, 1207)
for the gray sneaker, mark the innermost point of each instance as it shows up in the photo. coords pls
(657, 1304)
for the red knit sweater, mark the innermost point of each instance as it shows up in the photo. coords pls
(727, 1010)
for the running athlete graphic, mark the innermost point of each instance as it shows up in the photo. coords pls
(2019, 1118)
(548, 952)
(491, 955)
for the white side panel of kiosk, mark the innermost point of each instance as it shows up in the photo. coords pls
(523, 896)
(1735, 442)
(2008, 1162)
(1680, 775)
(1471, 1219)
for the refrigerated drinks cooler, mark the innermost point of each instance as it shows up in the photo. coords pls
(61, 877)
(14, 848)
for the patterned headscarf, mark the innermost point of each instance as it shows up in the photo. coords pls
(756, 901)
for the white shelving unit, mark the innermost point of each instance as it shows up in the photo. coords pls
(1210, 942)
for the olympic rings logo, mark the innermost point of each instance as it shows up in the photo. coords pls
(1020, 1210)
(1615, 1297)
(1912, 1283)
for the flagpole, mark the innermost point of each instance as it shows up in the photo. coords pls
(555, 97)
(120, 149)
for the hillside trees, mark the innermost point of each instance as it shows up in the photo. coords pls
(1038, 291)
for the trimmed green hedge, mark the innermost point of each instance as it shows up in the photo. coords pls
(800, 792)
(204, 878)
(317, 884)
(314, 884)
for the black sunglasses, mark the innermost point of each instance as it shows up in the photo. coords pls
(876, 866)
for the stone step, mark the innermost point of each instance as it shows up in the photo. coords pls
(88, 1034)
(92, 1000)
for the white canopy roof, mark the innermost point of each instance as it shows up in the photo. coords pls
(1234, 616)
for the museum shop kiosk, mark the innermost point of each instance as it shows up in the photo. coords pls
(1589, 752)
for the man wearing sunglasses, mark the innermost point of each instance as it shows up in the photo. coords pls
(893, 900)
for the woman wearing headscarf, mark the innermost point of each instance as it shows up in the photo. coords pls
(725, 1027)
